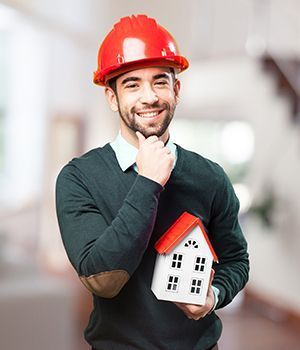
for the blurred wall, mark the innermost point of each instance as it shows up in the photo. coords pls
(240, 89)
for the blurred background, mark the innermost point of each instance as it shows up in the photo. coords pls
(239, 106)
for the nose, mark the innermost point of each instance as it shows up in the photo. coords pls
(148, 95)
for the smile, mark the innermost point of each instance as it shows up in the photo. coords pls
(150, 114)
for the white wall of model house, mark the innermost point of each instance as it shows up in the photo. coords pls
(183, 274)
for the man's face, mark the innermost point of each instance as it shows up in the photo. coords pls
(146, 100)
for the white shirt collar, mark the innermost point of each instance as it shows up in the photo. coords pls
(126, 153)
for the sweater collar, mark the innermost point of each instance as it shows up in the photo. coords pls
(126, 153)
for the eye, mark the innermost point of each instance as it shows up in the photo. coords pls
(131, 86)
(161, 83)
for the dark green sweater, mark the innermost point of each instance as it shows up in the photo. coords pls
(109, 222)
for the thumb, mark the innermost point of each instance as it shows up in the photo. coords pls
(141, 137)
(212, 273)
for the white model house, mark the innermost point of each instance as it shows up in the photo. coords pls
(183, 263)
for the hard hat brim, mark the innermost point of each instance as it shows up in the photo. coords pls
(179, 63)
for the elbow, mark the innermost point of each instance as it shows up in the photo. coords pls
(106, 284)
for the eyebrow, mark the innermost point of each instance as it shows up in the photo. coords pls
(161, 75)
(126, 80)
(157, 76)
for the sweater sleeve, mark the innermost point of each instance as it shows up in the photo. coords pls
(231, 273)
(105, 254)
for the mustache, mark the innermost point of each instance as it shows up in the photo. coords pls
(149, 106)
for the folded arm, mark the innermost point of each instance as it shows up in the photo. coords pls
(105, 254)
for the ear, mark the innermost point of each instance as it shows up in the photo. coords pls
(177, 85)
(111, 99)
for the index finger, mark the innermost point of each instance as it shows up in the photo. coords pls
(141, 137)
(151, 139)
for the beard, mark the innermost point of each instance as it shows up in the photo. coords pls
(157, 128)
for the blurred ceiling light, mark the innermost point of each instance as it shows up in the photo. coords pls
(237, 142)
(7, 17)
(255, 46)
(244, 196)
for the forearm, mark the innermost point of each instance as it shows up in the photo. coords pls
(121, 245)
(104, 253)
(230, 278)
(231, 273)
(232, 270)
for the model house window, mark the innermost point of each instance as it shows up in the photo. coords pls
(199, 264)
(173, 283)
(191, 243)
(196, 286)
(176, 261)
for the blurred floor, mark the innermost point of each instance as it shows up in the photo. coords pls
(247, 329)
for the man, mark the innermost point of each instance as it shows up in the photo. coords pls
(114, 202)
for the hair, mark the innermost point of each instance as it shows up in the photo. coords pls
(112, 83)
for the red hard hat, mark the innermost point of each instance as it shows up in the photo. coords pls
(136, 42)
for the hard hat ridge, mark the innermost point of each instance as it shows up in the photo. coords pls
(134, 22)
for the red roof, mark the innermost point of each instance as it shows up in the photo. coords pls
(180, 229)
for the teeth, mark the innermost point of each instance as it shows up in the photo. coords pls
(148, 115)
